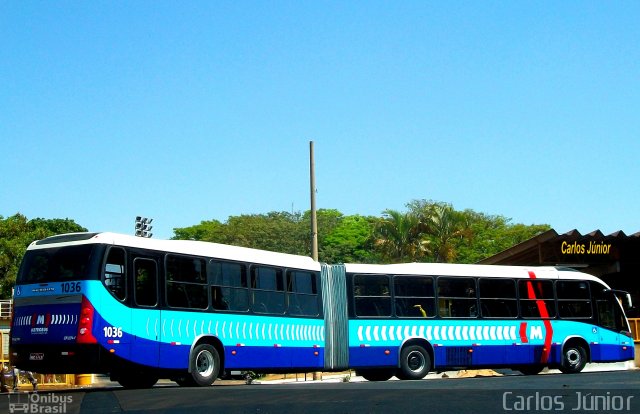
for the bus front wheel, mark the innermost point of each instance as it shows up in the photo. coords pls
(205, 364)
(415, 363)
(574, 358)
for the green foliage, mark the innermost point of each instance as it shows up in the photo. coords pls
(442, 228)
(429, 231)
(206, 230)
(338, 236)
(350, 241)
(399, 237)
(275, 231)
(433, 231)
(16, 233)
(493, 234)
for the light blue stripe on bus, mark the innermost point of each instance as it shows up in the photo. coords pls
(385, 332)
(170, 326)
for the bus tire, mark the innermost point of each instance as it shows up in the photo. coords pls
(415, 363)
(530, 369)
(204, 364)
(375, 374)
(574, 358)
(185, 381)
(137, 380)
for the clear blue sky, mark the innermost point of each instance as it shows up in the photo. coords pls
(188, 111)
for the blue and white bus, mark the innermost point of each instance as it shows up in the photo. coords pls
(408, 319)
(142, 309)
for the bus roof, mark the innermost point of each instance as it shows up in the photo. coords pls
(245, 254)
(449, 269)
(187, 247)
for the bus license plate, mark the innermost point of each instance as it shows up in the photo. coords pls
(36, 356)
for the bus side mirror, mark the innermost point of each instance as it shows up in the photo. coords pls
(627, 303)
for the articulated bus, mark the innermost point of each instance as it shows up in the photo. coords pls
(142, 309)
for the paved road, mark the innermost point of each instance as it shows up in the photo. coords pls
(586, 392)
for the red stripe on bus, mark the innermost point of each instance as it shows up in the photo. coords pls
(544, 313)
(523, 332)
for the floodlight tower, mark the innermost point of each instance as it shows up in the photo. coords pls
(143, 227)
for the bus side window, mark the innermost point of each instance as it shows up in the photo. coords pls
(536, 299)
(414, 296)
(498, 298)
(457, 297)
(267, 289)
(372, 295)
(574, 299)
(146, 282)
(229, 288)
(114, 273)
(302, 293)
(186, 282)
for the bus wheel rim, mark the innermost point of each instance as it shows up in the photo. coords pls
(415, 361)
(573, 357)
(204, 363)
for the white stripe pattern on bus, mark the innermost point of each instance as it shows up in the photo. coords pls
(377, 333)
(228, 330)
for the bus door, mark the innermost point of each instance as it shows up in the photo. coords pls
(115, 314)
(611, 325)
(145, 315)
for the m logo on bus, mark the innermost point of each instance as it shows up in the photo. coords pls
(535, 332)
(40, 324)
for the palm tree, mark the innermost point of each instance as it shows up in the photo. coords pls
(398, 237)
(444, 226)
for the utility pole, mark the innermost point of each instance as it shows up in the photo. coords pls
(314, 221)
(314, 217)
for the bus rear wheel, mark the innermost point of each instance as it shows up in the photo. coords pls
(204, 364)
(415, 363)
(574, 358)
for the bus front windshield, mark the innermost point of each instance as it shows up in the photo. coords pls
(60, 264)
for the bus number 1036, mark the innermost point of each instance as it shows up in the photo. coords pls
(112, 332)
(73, 287)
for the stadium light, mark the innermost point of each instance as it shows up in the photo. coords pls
(143, 227)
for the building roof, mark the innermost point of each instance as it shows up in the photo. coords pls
(571, 249)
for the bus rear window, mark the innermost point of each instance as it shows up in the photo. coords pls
(58, 264)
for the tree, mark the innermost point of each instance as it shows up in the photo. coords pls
(205, 231)
(351, 241)
(275, 231)
(16, 233)
(493, 234)
(399, 237)
(430, 231)
(443, 228)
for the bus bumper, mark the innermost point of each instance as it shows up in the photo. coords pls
(62, 359)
